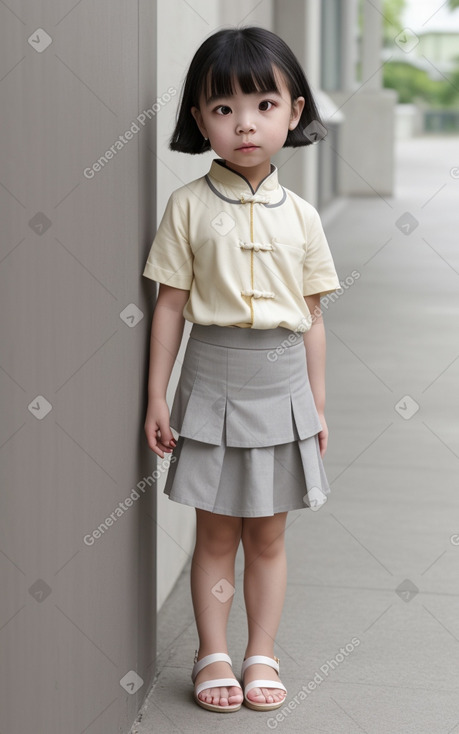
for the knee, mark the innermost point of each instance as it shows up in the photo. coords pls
(262, 544)
(219, 540)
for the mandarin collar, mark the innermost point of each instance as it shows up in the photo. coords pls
(236, 189)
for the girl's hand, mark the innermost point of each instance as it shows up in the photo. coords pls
(323, 435)
(157, 429)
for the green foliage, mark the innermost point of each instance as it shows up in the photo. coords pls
(392, 19)
(449, 91)
(414, 85)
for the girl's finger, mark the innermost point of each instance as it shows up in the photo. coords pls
(166, 436)
(163, 445)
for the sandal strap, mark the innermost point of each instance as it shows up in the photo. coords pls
(263, 684)
(215, 657)
(217, 683)
(253, 659)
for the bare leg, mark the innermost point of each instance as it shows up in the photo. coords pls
(265, 581)
(217, 541)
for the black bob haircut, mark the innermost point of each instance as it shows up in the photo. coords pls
(248, 55)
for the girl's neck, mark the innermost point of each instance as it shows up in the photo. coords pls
(253, 174)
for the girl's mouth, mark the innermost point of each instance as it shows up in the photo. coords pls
(247, 148)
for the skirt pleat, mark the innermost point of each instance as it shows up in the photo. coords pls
(247, 423)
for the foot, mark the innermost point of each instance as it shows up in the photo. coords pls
(218, 696)
(258, 671)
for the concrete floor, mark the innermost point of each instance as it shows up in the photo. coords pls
(374, 573)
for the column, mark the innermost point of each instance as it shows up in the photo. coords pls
(372, 44)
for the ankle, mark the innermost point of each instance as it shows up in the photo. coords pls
(202, 650)
(259, 650)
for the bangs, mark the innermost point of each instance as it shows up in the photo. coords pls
(248, 66)
(253, 58)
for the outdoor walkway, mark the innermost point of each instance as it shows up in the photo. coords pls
(369, 638)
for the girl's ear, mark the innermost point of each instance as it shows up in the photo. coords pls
(297, 109)
(196, 112)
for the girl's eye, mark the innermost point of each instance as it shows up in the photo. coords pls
(223, 110)
(265, 105)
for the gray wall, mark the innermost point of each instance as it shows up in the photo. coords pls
(75, 618)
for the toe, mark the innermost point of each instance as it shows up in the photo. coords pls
(268, 694)
(234, 695)
(216, 696)
(207, 695)
(220, 696)
(255, 695)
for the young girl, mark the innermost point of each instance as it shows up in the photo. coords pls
(245, 260)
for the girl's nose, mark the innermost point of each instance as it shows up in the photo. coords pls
(245, 126)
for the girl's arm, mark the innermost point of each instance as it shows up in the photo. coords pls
(166, 336)
(314, 341)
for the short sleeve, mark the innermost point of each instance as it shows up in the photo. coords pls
(170, 260)
(319, 274)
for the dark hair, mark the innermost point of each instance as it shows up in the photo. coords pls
(247, 55)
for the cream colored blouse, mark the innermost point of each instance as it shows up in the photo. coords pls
(247, 257)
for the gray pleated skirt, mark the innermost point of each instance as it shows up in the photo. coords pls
(247, 424)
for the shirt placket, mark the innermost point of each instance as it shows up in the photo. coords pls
(253, 247)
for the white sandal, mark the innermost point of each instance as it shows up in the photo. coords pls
(217, 683)
(262, 683)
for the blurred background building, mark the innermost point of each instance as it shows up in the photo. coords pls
(421, 62)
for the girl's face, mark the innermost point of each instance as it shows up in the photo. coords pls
(247, 129)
